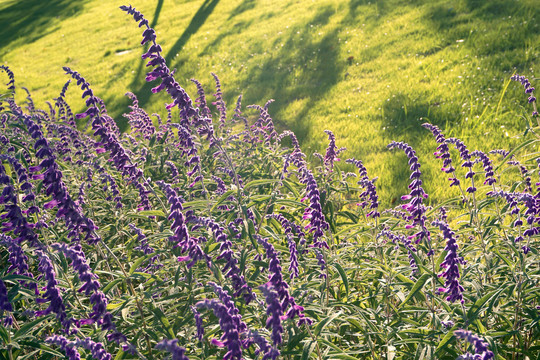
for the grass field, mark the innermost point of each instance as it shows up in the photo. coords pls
(370, 71)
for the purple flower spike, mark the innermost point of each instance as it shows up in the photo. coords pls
(171, 346)
(332, 151)
(369, 195)
(198, 323)
(488, 167)
(66, 345)
(5, 305)
(161, 71)
(280, 285)
(230, 337)
(528, 90)
(415, 207)
(274, 312)
(96, 349)
(451, 264)
(52, 293)
(481, 349)
(443, 152)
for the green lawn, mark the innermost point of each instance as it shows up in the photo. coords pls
(371, 72)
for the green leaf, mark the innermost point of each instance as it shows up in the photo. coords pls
(477, 306)
(111, 285)
(308, 350)
(145, 213)
(445, 341)
(138, 262)
(320, 326)
(416, 288)
(26, 328)
(163, 319)
(222, 198)
(260, 182)
(343, 276)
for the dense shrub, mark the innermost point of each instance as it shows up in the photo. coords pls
(206, 234)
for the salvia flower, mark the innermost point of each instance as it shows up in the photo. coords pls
(171, 346)
(488, 167)
(279, 284)
(406, 242)
(198, 323)
(231, 269)
(369, 195)
(481, 348)
(52, 292)
(5, 305)
(161, 71)
(415, 207)
(96, 349)
(220, 104)
(467, 161)
(91, 287)
(274, 312)
(443, 152)
(231, 336)
(529, 90)
(451, 264)
(289, 233)
(332, 151)
(66, 345)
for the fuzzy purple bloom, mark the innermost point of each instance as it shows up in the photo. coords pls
(274, 312)
(451, 264)
(171, 346)
(443, 152)
(529, 90)
(52, 292)
(231, 336)
(481, 348)
(5, 305)
(369, 195)
(415, 207)
(96, 349)
(160, 70)
(488, 167)
(66, 345)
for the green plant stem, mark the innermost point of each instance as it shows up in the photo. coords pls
(134, 294)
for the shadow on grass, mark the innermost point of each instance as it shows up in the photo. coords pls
(29, 20)
(298, 76)
(493, 29)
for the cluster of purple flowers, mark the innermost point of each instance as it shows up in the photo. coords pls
(443, 152)
(370, 191)
(468, 162)
(138, 119)
(231, 269)
(70, 347)
(105, 127)
(406, 242)
(332, 151)
(451, 264)
(91, 287)
(161, 71)
(415, 207)
(481, 348)
(528, 90)
(171, 346)
(488, 167)
(279, 285)
(289, 233)
(231, 336)
(52, 292)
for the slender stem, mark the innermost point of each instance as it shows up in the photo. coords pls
(134, 294)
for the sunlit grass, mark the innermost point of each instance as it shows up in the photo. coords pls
(371, 72)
